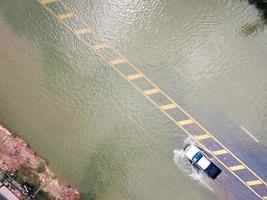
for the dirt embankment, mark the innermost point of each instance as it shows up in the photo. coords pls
(15, 153)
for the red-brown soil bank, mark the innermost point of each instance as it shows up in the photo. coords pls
(15, 153)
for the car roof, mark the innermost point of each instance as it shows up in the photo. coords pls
(191, 150)
(203, 163)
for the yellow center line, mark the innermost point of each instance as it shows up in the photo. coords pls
(208, 134)
(202, 137)
(83, 31)
(44, 2)
(134, 76)
(220, 152)
(254, 182)
(65, 15)
(100, 46)
(151, 91)
(237, 167)
(168, 106)
(185, 122)
(117, 61)
(250, 134)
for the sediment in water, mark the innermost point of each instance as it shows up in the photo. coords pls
(18, 158)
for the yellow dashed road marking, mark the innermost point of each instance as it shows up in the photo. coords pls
(134, 76)
(44, 2)
(220, 152)
(237, 167)
(65, 15)
(168, 106)
(152, 91)
(83, 31)
(185, 122)
(255, 182)
(100, 46)
(202, 137)
(117, 61)
(122, 59)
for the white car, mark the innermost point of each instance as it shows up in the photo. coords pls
(199, 159)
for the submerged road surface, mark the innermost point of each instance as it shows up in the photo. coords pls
(178, 115)
(244, 170)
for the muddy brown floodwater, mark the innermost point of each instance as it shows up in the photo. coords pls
(96, 130)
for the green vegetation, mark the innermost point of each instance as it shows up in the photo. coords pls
(26, 174)
(42, 195)
(40, 168)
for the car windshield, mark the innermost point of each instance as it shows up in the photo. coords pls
(197, 157)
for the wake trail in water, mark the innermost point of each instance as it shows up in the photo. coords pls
(183, 163)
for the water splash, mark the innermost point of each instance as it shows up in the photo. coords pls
(182, 162)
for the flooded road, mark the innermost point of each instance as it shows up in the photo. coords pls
(96, 130)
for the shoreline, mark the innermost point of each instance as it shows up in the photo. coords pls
(17, 157)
